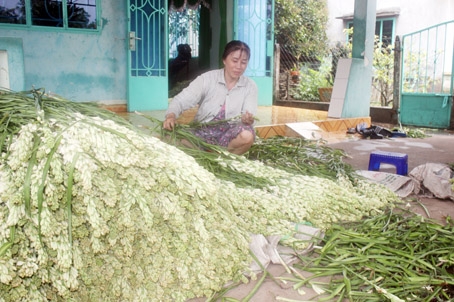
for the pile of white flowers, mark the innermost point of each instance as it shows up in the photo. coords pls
(95, 211)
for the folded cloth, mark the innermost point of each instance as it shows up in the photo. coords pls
(360, 127)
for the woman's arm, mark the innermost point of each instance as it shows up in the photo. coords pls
(186, 99)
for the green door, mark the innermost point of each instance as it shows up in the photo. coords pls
(427, 77)
(426, 109)
(254, 25)
(147, 55)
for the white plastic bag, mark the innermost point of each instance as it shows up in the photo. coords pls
(436, 178)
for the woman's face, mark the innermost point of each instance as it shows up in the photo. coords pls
(235, 64)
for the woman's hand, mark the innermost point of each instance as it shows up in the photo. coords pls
(169, 122)
(247, 118)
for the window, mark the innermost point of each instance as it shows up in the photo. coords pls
(384, 30)
(12, 12)
(66, 14)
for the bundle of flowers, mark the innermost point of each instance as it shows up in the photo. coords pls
(93, 209)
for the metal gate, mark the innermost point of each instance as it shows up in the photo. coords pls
(427, 77)
(254, 24)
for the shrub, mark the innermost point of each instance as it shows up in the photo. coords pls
(311, 79)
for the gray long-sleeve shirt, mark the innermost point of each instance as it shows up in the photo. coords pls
(210, 92)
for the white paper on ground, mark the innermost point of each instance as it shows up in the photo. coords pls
(401, 185)
(433, 177)
(308, 130)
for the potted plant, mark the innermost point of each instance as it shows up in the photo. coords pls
(325, 94)
(325, 81)
(295, 74)
(314, 83)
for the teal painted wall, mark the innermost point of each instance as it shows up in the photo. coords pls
(77, 66)
(265, 86)
(81, 66)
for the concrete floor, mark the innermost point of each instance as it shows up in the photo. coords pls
(437, 148)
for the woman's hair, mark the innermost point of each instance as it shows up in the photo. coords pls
(235, 45)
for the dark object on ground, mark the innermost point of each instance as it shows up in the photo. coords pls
(177, 66)
(377, 132)
(398, 133)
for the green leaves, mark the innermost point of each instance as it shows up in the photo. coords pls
(394, 254)
(301, 156)
(301, 23)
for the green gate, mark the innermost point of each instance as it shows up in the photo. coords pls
(254, 24)
(427, 77)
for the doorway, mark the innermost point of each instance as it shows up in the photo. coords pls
(215, 24)
(150, 43)
(189, 40)
(12, 68)
(4, 70)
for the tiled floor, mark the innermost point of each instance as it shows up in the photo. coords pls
(280, 120)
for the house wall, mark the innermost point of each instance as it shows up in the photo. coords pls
(78, 66)
(414, 15)
(83, 66)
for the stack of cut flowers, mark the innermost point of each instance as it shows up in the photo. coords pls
(94, 209)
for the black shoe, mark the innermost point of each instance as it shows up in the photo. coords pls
(382, 131)
(367, 132)
(372, 133)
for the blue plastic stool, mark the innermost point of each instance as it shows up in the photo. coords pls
(399, 160)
